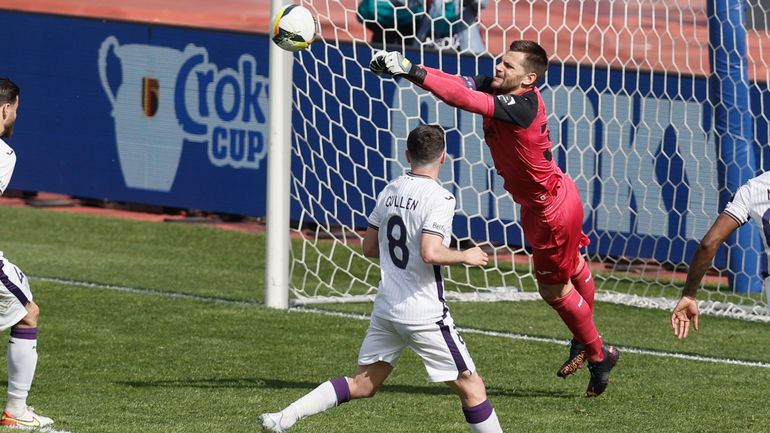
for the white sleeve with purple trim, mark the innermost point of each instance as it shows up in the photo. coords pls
(439, 219)
(752, 200)
(375, 218)
(7, 164)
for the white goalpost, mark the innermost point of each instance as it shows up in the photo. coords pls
(278, 172)
(637, 101)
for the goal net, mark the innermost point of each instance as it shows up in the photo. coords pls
(641, 116)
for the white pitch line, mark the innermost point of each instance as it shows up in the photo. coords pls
(524, 337)
(50, 430)
(509, 335)
(144, 291)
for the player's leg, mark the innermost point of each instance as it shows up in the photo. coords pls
(327, 395)
(555, 244)
(574, 312)
(583, 282)
(578, 318)
(23, 314)
(446, 359)
(379, 353)
(478, 411)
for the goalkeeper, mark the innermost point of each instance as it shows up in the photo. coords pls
(516, 131)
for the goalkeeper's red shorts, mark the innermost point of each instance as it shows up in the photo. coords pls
(555, 234)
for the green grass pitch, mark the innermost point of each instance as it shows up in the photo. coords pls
(129, 362)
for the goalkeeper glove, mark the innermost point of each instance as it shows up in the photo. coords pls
(377, 65)
(398, 65)
(394, 63)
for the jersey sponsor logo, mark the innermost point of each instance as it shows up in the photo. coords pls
(189, 100)
(507, 100)
(439, 227)
(544, 272)
(470, 83)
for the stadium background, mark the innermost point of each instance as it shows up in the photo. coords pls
(212, 171)
(160, 350)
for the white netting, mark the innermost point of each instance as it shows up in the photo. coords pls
(630, 116)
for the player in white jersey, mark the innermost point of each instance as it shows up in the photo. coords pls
(17, 309)
(751, 201)
(409, 230)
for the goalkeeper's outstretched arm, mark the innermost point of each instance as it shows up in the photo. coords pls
(448, 88)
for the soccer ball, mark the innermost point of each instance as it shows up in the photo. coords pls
(294, 28)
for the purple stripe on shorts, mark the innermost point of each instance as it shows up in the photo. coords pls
(478, 414)
(342, 389)
(453, 349)
(13, 288)
(440, 287)
(24, 333)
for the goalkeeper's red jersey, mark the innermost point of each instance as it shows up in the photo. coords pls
(515, 129)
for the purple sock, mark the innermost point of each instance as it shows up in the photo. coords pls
(342, 389)
(24, 333)
(478, 414)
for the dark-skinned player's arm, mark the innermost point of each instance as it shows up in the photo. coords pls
(686, 309)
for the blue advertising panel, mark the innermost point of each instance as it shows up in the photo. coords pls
(139, 113)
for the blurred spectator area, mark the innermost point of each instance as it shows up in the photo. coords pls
(651, 35)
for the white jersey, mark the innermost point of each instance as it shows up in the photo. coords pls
(7, 164)
(411, 291)
(752, 201)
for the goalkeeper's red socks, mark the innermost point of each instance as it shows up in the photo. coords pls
(576, 313)
(584, 284)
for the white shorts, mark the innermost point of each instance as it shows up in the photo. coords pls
(14, 294)
(439, 345)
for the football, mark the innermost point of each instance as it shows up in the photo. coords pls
(294, 28)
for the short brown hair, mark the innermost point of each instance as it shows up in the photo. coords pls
(425, 144)
(9, 91)
(535, 55)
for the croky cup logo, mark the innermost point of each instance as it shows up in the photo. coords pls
(168, 97)
(149, 96)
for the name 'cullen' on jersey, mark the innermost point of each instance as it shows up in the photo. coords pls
(411, 291)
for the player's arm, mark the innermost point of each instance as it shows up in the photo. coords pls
(449, 88)
(686, 309)
(434, 252)
(370, 244)
(722, 228)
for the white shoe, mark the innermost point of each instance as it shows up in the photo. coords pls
(271, 423)
(28, 420)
